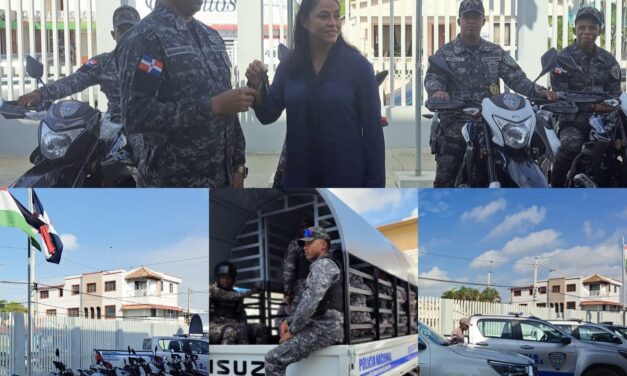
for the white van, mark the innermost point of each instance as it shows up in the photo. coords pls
(252, 229)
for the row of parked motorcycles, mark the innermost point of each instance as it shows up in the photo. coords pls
(135, 366)
(511, 141)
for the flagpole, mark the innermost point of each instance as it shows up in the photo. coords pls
(31, 278)
(623, 270)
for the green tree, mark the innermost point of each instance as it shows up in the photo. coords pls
(463, 293)
(490, 295)
(6, 307)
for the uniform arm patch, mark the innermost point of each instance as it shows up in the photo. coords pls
(148, 75)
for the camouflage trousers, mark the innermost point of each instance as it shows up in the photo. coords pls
(299, 347)
(238, 334)
(450, 149)
(572, 138)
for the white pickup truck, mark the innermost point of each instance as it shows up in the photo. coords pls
(389, 357)
(163, 346)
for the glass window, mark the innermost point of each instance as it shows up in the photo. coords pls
(496, 328)
(571, 288)
(591, 333)
(91, 287)
(75, 289)
(110, 311)
(539, 332)
(110, 286)
(43, 294)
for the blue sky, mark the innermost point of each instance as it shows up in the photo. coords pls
(381, 206)
(572, 232)
(112, 229)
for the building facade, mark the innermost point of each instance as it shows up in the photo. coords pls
(141, 293)
(591, 293)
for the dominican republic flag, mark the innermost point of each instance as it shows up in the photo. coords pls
(12, 215)
(151, 66)
(38, 220)
(52, 241)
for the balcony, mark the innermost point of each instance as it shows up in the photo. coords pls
(141, 292)
(597, 293)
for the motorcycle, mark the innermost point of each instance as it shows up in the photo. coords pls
(60, 368)
(498, 135)
(77, 147)
(602, 161)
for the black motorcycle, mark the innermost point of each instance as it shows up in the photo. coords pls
(74, 149)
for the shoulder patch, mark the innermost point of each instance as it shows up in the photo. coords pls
(615, 71)
(509, 60)
(151, 66)
(147, 75)
(91, 63)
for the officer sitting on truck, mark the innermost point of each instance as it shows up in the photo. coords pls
(318, 321)
(228, 321)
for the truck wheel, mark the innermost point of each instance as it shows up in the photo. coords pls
(602, 372)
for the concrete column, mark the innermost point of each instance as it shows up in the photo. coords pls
(249, 35)
(76, 342)
(18, 345)
(532, 27)
(447, 316)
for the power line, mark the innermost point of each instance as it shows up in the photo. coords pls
(461, 283)
(473, 259)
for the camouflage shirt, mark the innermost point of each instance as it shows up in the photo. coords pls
(601, 66)
(170, 69)
(227, 305)
(99, 70)
(479, 70)
(323, 274)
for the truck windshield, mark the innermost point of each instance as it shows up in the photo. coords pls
(431, 335)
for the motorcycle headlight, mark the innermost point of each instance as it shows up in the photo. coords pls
(54, 145)
(515, 135)
(509, 369)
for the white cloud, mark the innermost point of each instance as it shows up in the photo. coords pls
(482, 213)
(435, 288)
(483, 260)
(592, 233)
(519, 221)
(535, 242)
(70, 242)
(623, 214)
(414, 214)
(368, 200)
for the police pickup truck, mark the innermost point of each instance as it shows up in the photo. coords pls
(163, 346)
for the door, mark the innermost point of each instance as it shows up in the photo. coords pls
(496, 334)
(543, 343)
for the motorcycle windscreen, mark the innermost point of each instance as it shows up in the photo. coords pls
(526, 174)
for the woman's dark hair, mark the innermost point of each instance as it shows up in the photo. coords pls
(300, 55)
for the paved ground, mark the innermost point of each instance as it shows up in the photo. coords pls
(261, 166)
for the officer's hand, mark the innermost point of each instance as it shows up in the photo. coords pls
(254, 73)
(238, 180)
(233, 101)
(30, 100)
(550, 95)
(440, 95)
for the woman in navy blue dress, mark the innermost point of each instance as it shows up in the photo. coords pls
(334, 134)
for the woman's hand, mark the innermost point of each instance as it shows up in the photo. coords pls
(255, 73)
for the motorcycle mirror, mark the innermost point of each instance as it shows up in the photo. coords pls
(155, 349)
(133, 350)
(381, 76)
(441, 64)
(129, 349)
(548, 60)
(56, 352)
(34, 68)
(283, 52)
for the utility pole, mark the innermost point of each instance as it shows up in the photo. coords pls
(535, 281)
(490, 275)
(189, 293)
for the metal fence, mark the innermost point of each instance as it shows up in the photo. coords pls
(59, 33)
(444, 314)
(76, 338)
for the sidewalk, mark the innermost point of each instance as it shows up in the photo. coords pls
(263, 165)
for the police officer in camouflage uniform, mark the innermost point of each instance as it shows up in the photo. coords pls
(177, 99)
(479, 66)
(318, 321)
(99, 70)
(598, 64)
(296, 267)
(227, 320)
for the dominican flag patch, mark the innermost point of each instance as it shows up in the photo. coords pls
(151, 66)
(92, 63)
